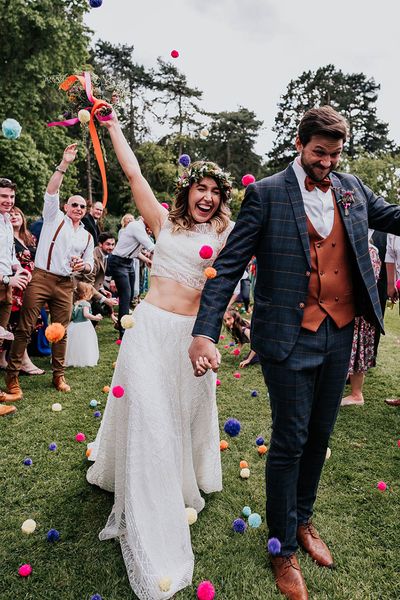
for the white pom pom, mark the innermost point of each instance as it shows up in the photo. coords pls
(191, 514)
(28, 526)
(56, 407)
(165, 584)
(84, 116)
(127, 321)
(245, 473)
(328, 453)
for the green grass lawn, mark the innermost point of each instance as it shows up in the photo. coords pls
(360, 524)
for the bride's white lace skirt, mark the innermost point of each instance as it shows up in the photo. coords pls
(156, 447)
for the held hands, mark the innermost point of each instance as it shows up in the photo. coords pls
(204, 355)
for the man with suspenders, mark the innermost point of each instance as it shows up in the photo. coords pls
(65, 247)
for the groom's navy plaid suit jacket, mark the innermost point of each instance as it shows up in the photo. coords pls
(272, 226)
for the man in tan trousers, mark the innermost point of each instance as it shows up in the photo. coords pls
(65, 247)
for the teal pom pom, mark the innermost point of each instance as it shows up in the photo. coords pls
(254, 520)
(11, 129)
(246, 512)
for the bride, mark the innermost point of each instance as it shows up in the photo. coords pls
(158, 444)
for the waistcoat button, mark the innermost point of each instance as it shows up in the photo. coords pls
(333, 244)
(321, 301)
(301, 305)
(336, 271)
(319, 245)
(308, 274)
(337, 298)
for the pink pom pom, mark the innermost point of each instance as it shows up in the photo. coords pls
(25, 570)
(221, 337)
(206, 591)
(247, 179)
(381, 485)
(237, 375)
(226, 346)
(236, 352)
(206, 252)
(118, 391)
(398, 443)
(218, 382)
(118, 342)
(174, 53)
(165, 205)
(80, 437)
(398, 285)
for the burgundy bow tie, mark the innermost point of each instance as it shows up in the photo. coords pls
(323, 185)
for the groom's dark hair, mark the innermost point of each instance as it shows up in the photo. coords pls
(325, 121)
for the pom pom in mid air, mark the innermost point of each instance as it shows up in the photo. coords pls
(84, 116)
(184, 160)
(53, 447)
(206, 252)
(260, 441)
(11, 129)
(55, 332)
(127, 321)
(95, 4)
(247, 179)
(174, 53)
(246, 511)
(262, 450)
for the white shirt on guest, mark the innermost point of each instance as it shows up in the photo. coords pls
(317, 204)
(69, 242)
(7, 248)
(131, 239)
(393, 252)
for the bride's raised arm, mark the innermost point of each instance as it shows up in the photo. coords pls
(151, 210)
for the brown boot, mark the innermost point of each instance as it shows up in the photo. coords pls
(13, 387)
(288, 577)
(309, 540)
(60, 384)
(7, 410)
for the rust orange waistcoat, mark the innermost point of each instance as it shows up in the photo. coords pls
(330, 290)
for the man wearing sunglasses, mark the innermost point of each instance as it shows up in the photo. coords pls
(64, 248)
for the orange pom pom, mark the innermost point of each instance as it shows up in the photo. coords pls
(262, 450)
(210, 273)
(243, 464)
(106, 389)
(55, 332)
(88, 452)
(223, 445)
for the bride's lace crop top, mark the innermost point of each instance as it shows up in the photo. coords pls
(176, 255)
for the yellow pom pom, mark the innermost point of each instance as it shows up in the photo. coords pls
(245, 473)
(191, 514)
(165, 584)
(328, 453)
(127, 321)
(28, 526)
(84, 116)
(210, 273)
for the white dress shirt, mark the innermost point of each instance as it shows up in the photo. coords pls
(131, 239)
(7, 248)
(318, 205)
(70, 241)
(393, 252)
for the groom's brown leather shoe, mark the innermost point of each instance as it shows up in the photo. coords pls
(7, 410)
(60, 384)
(13, 387)
(288, 577)
(309, 540)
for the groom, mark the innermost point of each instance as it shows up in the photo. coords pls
(308, 228)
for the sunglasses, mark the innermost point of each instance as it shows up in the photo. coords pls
(77, 205)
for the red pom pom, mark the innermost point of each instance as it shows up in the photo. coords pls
(174, 53)
(118, 391)
(221, 337)
(236, 352)
(118, 342)
(247, 179)
(206, 252)
(206, 591)
(237, 375)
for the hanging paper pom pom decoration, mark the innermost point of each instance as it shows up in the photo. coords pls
(398, 284)
(260, 441)
(165, 584)
(206, 252)
(262, 450)
(55, 332)
(53, 535)
(210, 273)
(239, 526)
(206, 591)
(127, 321)
(165, 205)
(25, 570)
(11, 129)
(95, 3)
(28, 462)
(254, 520)
(174, 53)
(246, 511)
(184, 160)
(28, 526)
(118, 391)
(80, 437)
(56, 407)
(381, 485)
(191, 514)
(53, 447)
(247, 179)
(232, 427)
(243, 464)
(245, 473)
(274, 546)
(223, 445)
(83, 116)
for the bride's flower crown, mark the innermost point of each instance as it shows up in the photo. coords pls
(199, 170)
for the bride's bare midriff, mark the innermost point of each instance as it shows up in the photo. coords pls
(173, 296)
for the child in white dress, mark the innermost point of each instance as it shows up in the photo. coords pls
(82, 344)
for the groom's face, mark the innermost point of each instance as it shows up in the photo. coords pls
(320, 156)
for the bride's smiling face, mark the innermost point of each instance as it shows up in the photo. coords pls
(204, 199)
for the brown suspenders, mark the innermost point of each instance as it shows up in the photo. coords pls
(53, 241)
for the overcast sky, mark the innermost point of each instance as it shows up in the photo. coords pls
(245, 52)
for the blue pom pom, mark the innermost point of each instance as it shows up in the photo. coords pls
(97, 414)
(11, 129)
(96, 597)
(239, 526)
(184, 160)
(254, 520)
(231, 343)
(260, 441)
(232, 427)
(274, 546)
(246, 512)
(53, 535)
(28, 462)
(254, 393)
(93, 403)
(53, 446)
(95, 3)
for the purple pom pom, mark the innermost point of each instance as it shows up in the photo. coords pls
(96, 597)
(95, 3)
(254, 393)
(239, 526)
(232, 427)
(53, 535)
(184, 160)
(274, 546)
(97, 414)
(260, 441)
(231, 343)
(28, 462)
(53, 446)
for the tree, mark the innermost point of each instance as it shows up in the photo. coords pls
(353, 95)
(381, 173)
